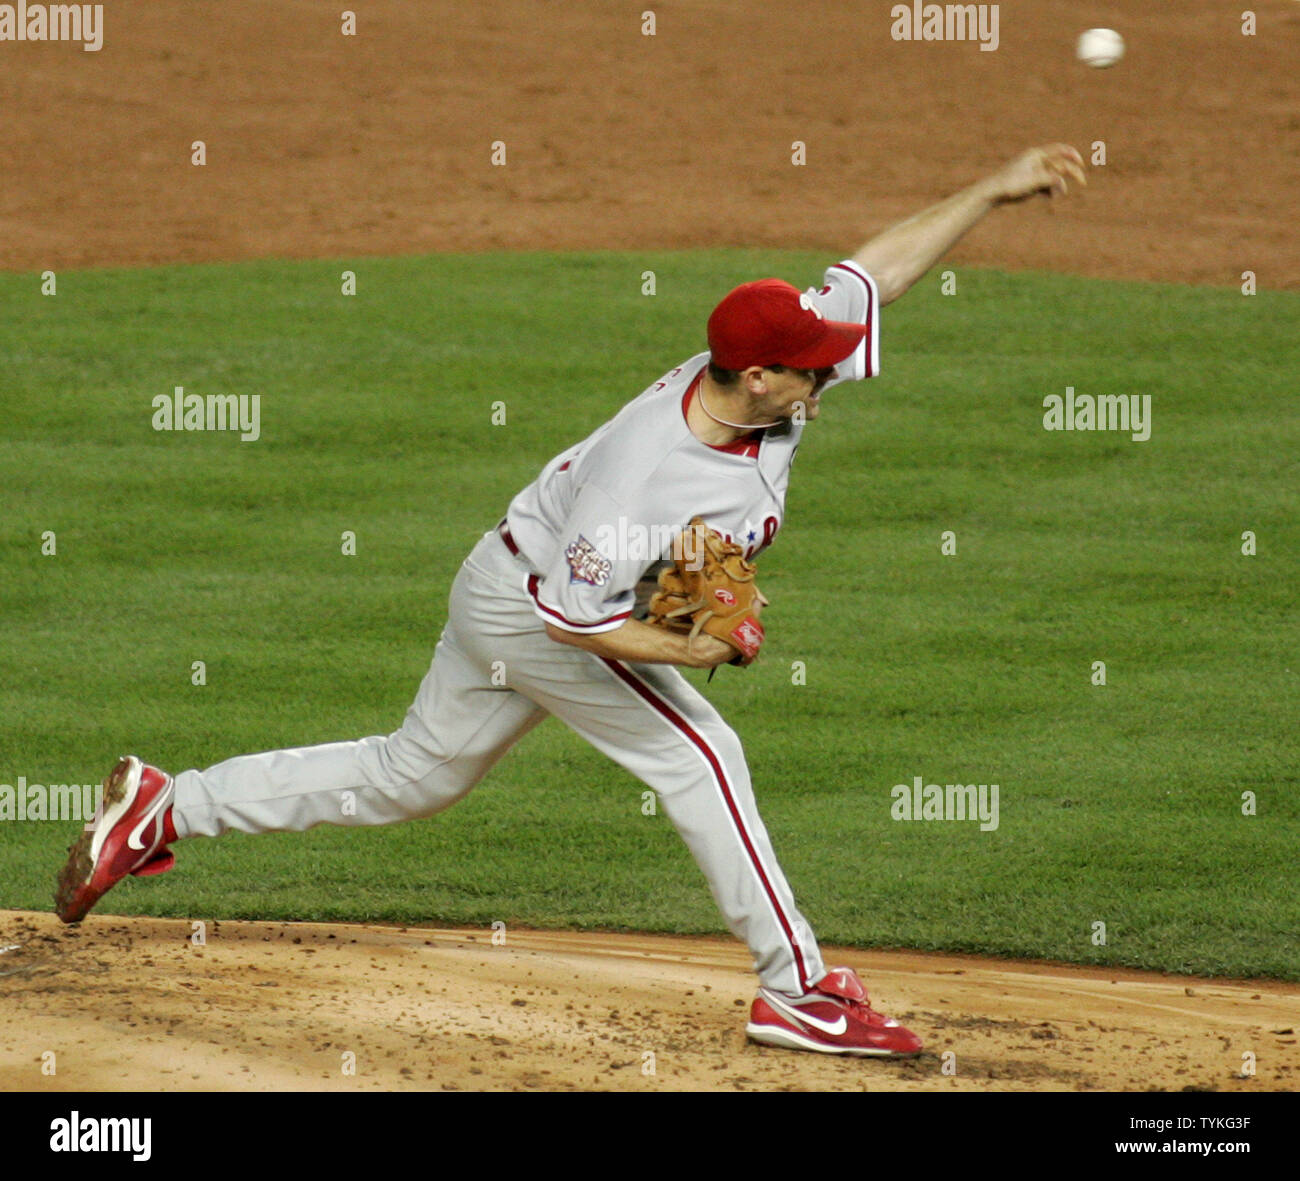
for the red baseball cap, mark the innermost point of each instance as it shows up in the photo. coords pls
(767, 323)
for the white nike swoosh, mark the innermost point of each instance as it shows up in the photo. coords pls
(826, 1027)
(133, 841)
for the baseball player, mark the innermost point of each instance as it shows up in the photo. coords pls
(546, 616)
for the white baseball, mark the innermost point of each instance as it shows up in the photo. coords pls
(1099, 48)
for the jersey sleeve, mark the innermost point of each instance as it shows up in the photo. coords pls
(590, 584)
(849, 294)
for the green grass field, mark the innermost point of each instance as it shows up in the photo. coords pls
(1119, 804)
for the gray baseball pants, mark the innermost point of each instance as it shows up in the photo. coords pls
(496, 674)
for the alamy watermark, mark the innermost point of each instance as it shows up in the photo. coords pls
(54, 22)
(87, 1133)
(55, 801)
(213, 412)
(1130, 413)
(947, 22)
(949, 801)
(592, 559)
(628, 540)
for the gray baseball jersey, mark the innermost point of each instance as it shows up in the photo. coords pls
(607, 509)
(582, 538)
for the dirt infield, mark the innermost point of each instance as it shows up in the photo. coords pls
(128, 1004)
(321, 145)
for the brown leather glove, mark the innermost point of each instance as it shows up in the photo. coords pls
(710, 587)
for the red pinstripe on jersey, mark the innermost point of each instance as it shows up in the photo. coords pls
(871, 342)
(571, 624)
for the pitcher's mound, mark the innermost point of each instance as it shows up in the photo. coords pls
(137, 1004)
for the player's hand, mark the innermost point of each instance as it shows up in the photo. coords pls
(1047, 170)
(708, 651)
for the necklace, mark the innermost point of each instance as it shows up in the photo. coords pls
(740, 426)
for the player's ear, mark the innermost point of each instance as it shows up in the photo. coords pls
(754, 379)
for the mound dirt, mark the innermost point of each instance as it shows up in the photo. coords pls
(135, 1004)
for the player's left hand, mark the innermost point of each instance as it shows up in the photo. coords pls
(710, 590)
(1047, 170)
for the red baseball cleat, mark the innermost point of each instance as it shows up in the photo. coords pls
(130, 837)
(834, 1018)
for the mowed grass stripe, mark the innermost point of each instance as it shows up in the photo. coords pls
(1119, 804)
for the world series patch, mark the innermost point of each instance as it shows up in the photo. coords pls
(586, 563)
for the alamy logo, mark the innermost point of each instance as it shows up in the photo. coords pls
(950, 801)
(633, 541)
(1107, 412)
(946, 22)
(216, 412)
(55, 801)
(54, 22)
(90, 1133)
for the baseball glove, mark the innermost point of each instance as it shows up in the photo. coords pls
(710, 588)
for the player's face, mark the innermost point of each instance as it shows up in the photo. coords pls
(786, 390)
